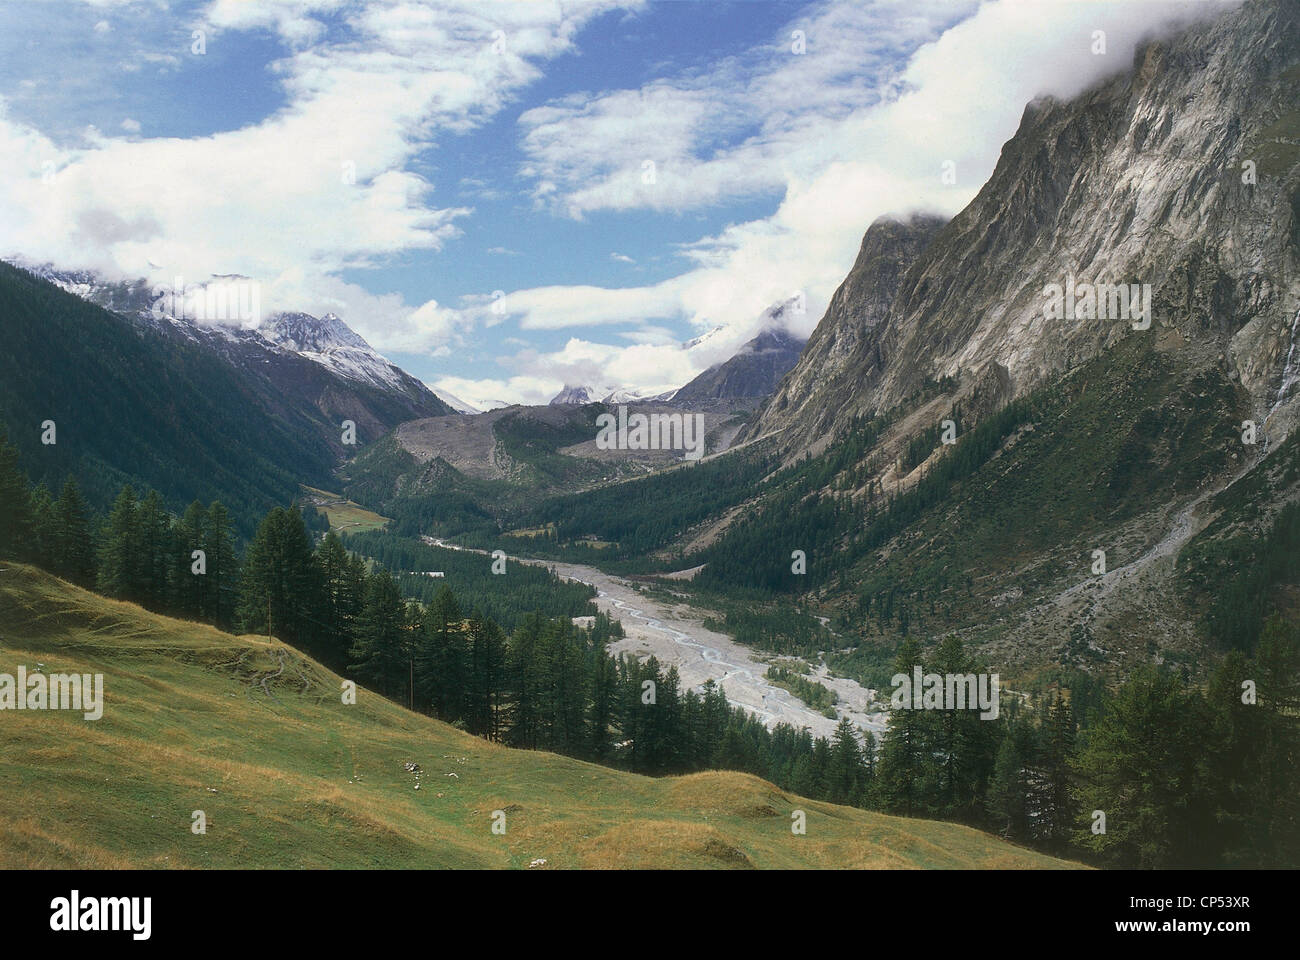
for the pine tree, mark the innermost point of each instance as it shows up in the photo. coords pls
(222, 579)
(191, 588)
(486, 700)
(42, 546)
(524, 669)
(904, 747)
(1008, 794)
(380, 654)
(1057, 808)
(74, 546)
(963, 742)
(441, 659)
(566, 680)
(344, 586)
(155, 567)
(846, 767)
(119, 551)
(821, 769)
(1144, 766)
(600, 717)
(15, 503)
(282, 581)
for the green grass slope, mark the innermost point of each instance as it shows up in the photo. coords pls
(255, 735)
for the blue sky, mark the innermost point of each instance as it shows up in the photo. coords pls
(504, 197)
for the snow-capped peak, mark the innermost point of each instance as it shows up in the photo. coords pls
(572, 394)
(453, 401)
(331, 342)
(303, 333)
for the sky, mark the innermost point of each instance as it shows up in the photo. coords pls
(507, 197)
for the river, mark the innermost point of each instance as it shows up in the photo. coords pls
(675, 634)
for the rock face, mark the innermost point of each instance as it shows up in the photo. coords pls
(1182, 173)
(754, 371)
(845, 340)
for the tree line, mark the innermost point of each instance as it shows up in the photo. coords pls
(1163, 773)
(546, 685)
(1184, 775)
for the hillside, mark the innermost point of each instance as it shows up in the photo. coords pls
(254, 735)
(194, 412)
(487, 469)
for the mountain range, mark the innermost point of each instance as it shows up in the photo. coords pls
(207, 410)
(951, 451)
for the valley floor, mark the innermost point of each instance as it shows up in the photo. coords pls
(675, 635)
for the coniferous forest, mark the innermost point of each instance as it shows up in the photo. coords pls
(1218, 785)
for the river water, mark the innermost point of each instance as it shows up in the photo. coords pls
(675, 634)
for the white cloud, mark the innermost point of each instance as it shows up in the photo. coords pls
(839, 157)
(540, 376)
(856, 127)
(745, 126)
(320, 186)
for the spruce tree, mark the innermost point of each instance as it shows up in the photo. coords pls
(1007, 802)
(525, 669)
(1145, 767)
(904, 746)
(441, 659)
(16, 514)
(222, 580)
(380, 654)
(42, 547)
(343, 594)
(486, 700)
(282, 582)
(74, 545)
(191, 588)
(600, 718)
(846, 767)
(155, 567)
(119, 548)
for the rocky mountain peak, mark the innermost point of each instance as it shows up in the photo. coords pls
(1181, 175)
(303, 333)
(572, 394)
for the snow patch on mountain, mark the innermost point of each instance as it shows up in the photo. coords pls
(453, 401)
(331, 342)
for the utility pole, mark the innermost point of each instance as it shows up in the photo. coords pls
(268, 618)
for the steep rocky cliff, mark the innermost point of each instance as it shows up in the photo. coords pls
(1181, 173)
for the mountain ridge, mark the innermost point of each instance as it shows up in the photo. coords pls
(1138, 179)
